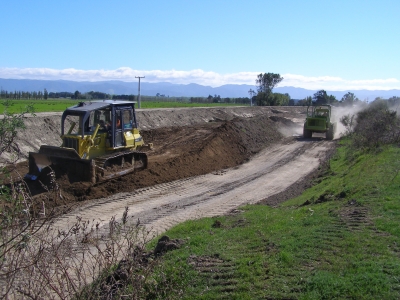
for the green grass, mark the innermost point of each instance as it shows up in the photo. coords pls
(57, 105)
(50, 105)
(339, 239)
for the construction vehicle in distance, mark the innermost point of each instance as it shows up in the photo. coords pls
(319, 120)
(104, 145)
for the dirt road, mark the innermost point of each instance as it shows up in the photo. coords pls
(162, 206)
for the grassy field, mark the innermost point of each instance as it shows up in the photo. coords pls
(56, 105)
(339, 239)
(51, 105)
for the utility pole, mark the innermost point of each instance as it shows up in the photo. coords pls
(251, 93)
(139, 90)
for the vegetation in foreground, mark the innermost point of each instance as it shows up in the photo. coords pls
(339, 239)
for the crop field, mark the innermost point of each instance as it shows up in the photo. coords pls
(56, 105)
(51, 105)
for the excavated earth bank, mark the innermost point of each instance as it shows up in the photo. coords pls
(187, 142)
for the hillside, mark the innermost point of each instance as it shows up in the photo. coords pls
(172, 90)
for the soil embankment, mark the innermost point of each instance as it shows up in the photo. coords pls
(187, 142)
(45, 128)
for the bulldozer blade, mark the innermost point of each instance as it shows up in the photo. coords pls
(59, 152)
(61, 161)
(66, 161)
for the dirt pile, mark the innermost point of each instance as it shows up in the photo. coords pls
(179, 152)
(45, 128)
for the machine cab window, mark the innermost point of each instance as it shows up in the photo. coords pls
(127, 118)
(100, 117)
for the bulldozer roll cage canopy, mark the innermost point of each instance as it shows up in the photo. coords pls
(83, 110)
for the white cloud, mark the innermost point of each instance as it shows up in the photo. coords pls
(339, 84)
(198, 76)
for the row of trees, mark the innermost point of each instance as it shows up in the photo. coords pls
(321, 97)
(40, 95)
(264, 97)
(100, 96)
(348, 99)
(17, 95)
(266, 82)
(219, 99)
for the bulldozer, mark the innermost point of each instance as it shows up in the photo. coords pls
(319, 120)
(102, 142)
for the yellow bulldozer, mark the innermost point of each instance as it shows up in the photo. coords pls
(103, 142)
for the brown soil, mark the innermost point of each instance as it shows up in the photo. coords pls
(179, 152)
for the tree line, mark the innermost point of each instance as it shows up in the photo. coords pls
(265, 97)
(43, 95)
(321, 97)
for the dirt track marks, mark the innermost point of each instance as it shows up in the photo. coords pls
(162, 206)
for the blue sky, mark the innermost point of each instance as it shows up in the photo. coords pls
(335, 45)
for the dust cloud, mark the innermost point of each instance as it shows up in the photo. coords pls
(294, 130)
(339, 112)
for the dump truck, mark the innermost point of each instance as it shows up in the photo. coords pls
(319, 120)
(102, 142)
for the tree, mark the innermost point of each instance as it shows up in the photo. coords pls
(320, 97)
(45, 94)
(217, 99)
(272, 99)
(262, 99)
(349, 99)
(394, 101)
(278, 99)
(307, 101)
(77, 95)
(267, 81)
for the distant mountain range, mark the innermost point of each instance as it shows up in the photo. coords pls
(170, 89)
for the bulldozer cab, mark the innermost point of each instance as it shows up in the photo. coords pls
(117, 120)
(321, 111)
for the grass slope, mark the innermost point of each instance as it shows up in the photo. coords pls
(339, 239)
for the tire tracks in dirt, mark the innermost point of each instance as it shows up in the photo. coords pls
(162, 206)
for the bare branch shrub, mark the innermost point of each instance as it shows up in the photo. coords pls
(42, 260)
(10, 125)
(348, 121)
(376, 125)
(83, 262)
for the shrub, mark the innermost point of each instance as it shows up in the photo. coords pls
(373, 127)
